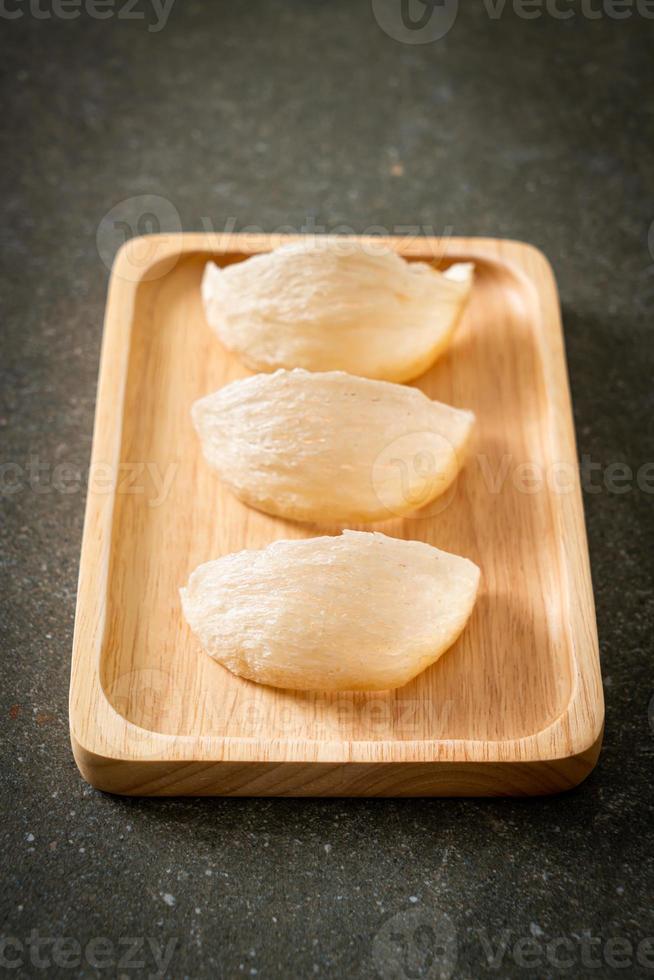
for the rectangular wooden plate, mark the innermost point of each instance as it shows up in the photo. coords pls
(515, 707)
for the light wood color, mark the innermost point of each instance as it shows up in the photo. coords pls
(515, 707)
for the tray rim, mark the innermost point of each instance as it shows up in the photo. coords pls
(564, 751)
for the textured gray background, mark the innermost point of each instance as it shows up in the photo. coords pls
(283, 113)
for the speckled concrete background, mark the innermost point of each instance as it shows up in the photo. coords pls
(287, 113)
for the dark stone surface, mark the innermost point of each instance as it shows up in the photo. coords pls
(276, 114)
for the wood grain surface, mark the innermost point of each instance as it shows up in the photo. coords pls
(515, 707)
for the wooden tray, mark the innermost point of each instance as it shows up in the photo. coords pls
(515, 707)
